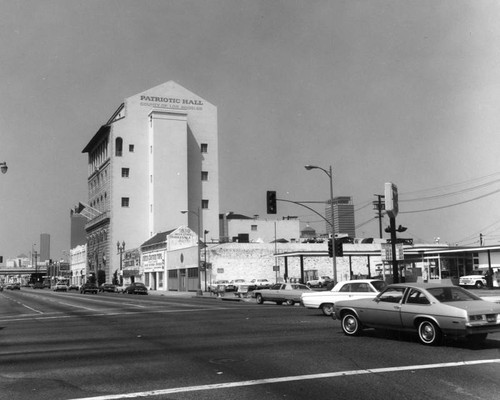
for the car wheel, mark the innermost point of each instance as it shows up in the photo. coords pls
(327, 309)
(350, 324)
(259, 298)
(429, 333)
(479, 285)
(320, 285)
(290, 302)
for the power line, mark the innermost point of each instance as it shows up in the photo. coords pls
(451, 205)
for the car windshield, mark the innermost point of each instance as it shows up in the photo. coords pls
(452, 293)
(140, 284)
(379, 285)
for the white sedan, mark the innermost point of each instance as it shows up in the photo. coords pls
(346, 290)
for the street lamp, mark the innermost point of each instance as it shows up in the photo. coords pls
(3, 167)
(121, 249)
(198, 214)
(205, 255)
(330, 175)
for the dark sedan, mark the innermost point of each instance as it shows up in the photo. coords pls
(136, 288)
(108, 287)
(430, 310)
(13, 286)
(88, 288)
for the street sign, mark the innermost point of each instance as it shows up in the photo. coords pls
(386, 252)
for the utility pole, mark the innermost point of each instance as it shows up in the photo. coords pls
(379, 206)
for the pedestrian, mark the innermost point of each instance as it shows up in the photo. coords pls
(497, 277)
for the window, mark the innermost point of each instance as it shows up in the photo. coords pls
(118, 146)
(253, 227)
(204, 148)
(392, 295)
(125, 172)
(204, 204)
(417, 297)
(131, 148)
(125, 202)
(204, 175)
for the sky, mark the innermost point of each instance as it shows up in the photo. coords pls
(403, 91)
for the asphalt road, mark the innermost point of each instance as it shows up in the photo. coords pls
(111, 346)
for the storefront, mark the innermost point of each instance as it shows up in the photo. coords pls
(132, 271)
(182, 260)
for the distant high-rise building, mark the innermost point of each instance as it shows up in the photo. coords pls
(77, 235)
(343, 216)
(44, 247)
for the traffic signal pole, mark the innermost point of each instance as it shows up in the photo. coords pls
(395, 269)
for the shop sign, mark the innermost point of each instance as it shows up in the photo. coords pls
(171, 103)
(127, 273)
(181, 238)
(386, 252)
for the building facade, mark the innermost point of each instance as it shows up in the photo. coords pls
(242, 229)
(156, 156)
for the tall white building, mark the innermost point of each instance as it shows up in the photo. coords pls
(155, 157)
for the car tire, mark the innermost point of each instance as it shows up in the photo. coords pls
(259, 298)
(350, 324)
(290, 302)
(479, 285)
(429, 333)
(327, 309)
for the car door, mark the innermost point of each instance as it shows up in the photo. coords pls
(384, 311)
(415, 302)
(273, 292)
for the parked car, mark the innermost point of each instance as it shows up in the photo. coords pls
(236, 283)
(431, 310)
(88, 288)
(136, 288)
(60, 287)
(38, 285)
(476, 279)
(280, 293)
(13, 286)
(319, 282)
(73, 287)
(215, 286)
(260, 283)
(346, 290)
(108, 287)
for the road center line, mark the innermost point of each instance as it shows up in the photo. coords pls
(289, 379)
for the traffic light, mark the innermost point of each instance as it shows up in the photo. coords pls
(330, 247)
(271, 202)
(339, 248)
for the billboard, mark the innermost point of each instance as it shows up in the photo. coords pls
(391, 199)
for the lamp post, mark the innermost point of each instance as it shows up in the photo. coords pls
(205, 255)
(120, 249)
(330, 175)
(198, 214)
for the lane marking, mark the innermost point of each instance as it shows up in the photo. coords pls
(28, 317)
(288, 379)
